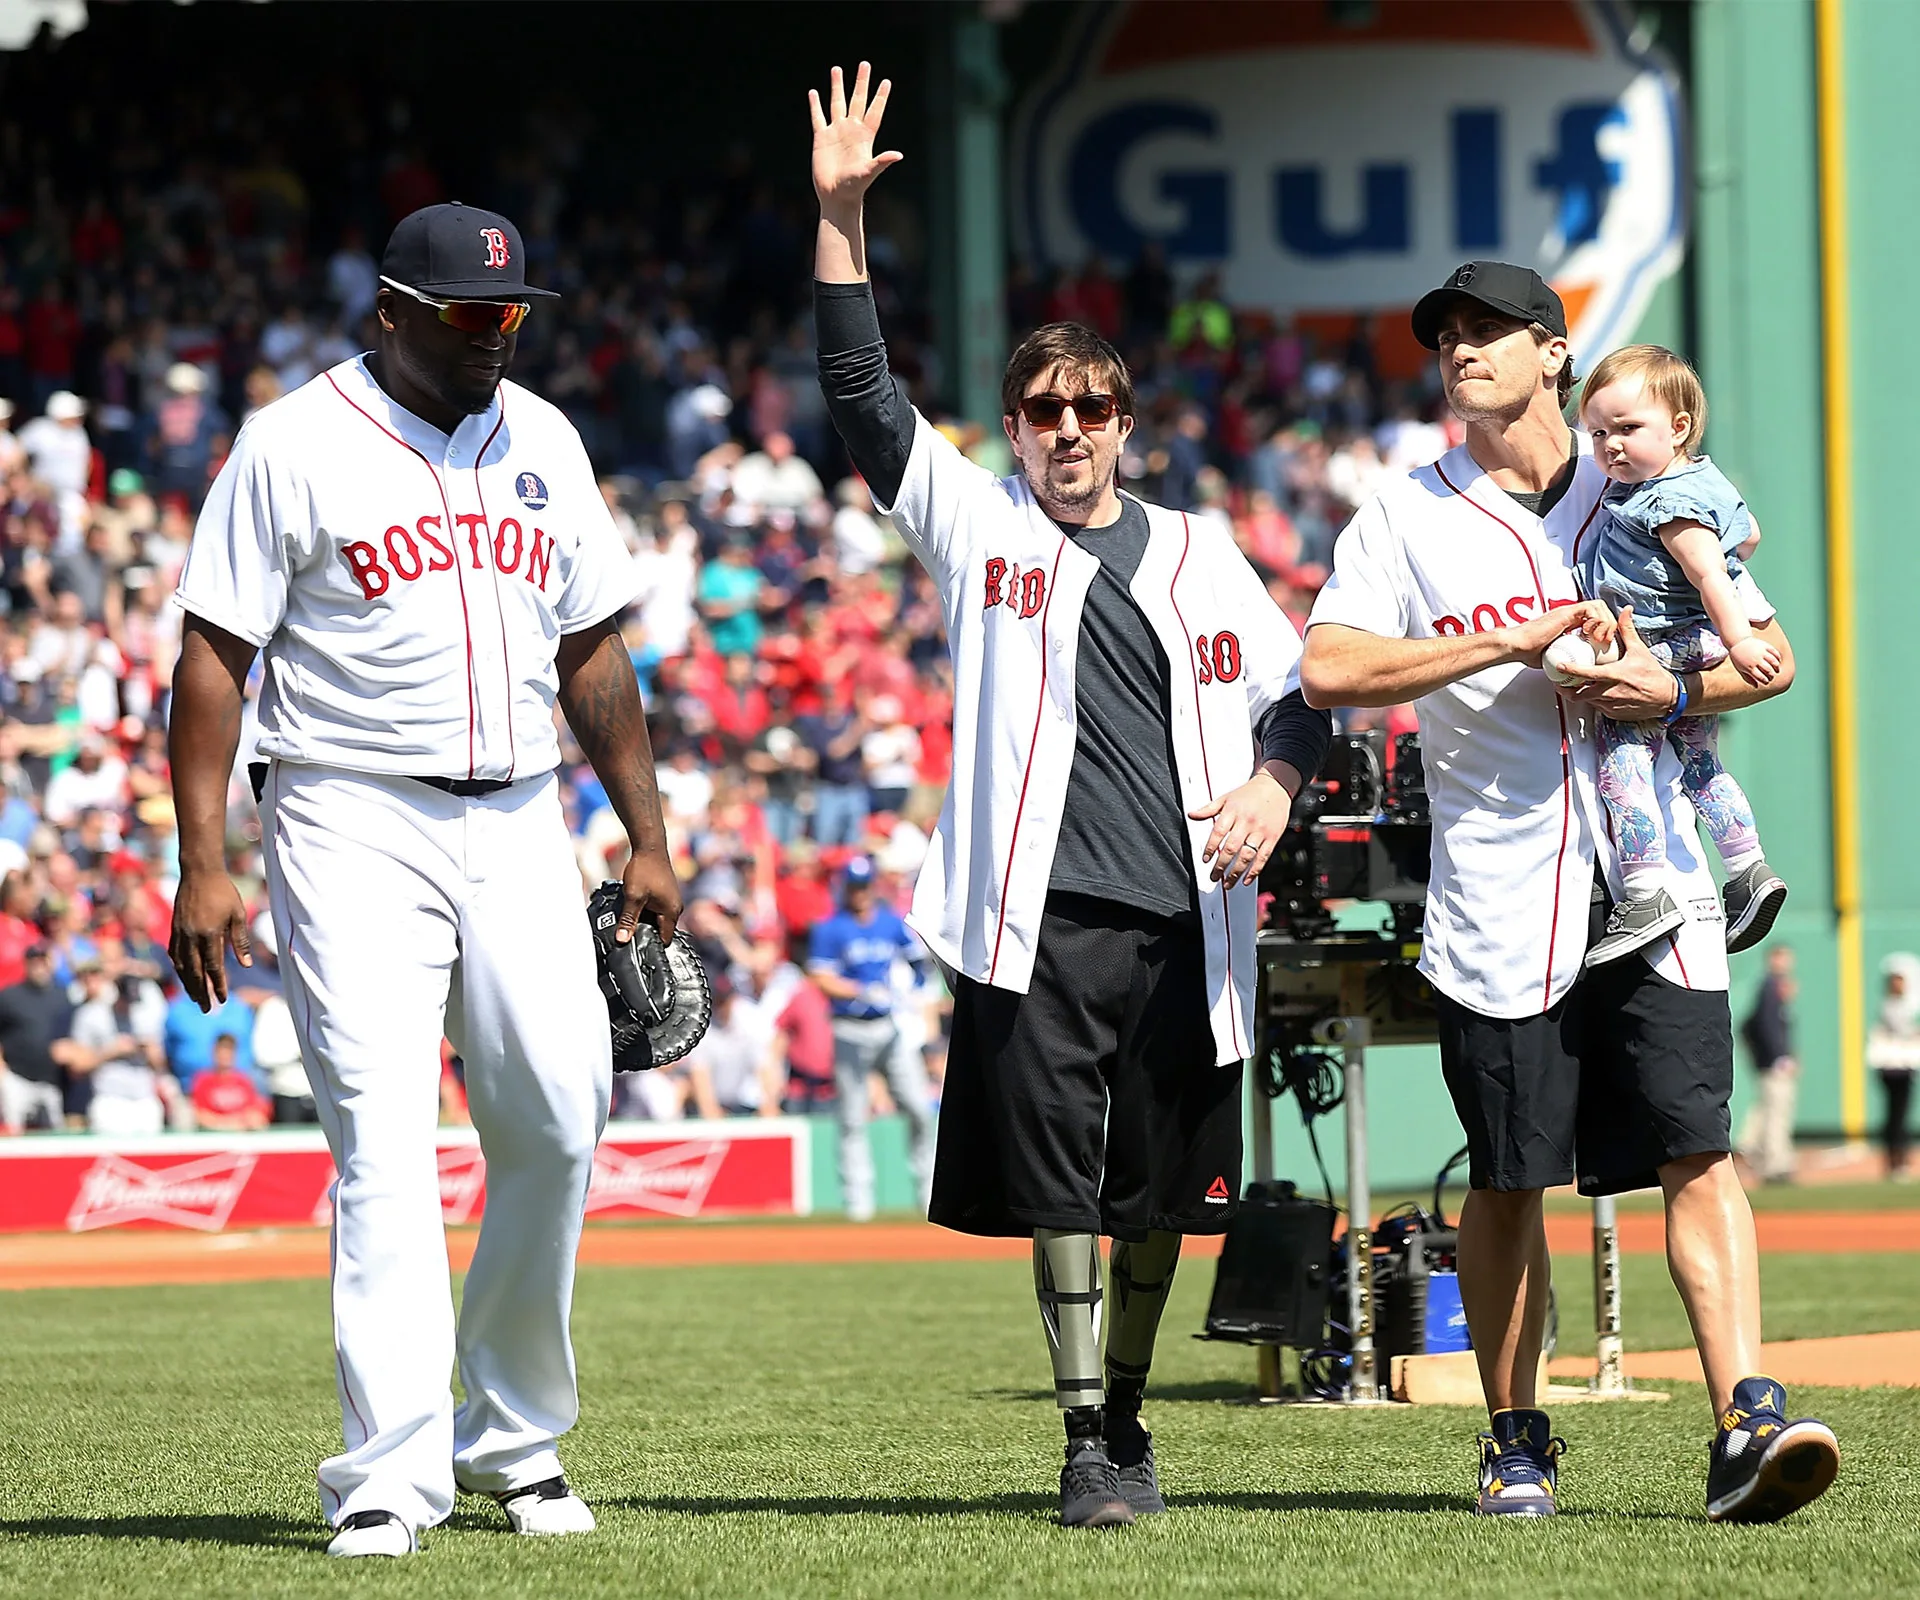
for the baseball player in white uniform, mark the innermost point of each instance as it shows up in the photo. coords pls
(1128, 736)
(1447, 588)
(420, 549)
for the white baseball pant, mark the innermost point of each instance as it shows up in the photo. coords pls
(402, 911)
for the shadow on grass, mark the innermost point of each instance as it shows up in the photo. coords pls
(1321, 1500)
(232, 1530)
(839, 1505)
(1211, 1389)
(1027, 1504)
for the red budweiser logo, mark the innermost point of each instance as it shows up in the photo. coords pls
(674, 1181)
(463, 1182)
(190, 1194)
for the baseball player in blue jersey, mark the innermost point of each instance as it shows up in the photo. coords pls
(852, 958)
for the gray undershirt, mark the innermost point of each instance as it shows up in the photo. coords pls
(1123, 832)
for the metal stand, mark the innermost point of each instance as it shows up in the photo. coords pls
(1608, 1380)
(1328, 982)
(1351, 1034)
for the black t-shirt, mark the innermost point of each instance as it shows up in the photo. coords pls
(32, 1017)
(1123, 834)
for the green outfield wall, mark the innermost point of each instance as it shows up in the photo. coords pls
(1756, 286)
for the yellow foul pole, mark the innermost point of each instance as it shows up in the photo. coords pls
(1837, 381)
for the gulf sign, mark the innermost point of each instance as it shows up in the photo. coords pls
(1345, 155)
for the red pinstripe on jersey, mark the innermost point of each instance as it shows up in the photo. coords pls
(494, 564)
(1019, 810)
(466, 622)
(1206, 773)
(1559, 706)
(1583, 530)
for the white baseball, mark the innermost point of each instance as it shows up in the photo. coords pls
(1569, 650)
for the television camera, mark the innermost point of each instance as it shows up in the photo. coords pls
(1362, 830)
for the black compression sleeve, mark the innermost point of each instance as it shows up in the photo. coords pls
(867, 403)
(1294, 732)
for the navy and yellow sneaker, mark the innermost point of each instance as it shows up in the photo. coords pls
(1519, 1465)
(1763, 1467)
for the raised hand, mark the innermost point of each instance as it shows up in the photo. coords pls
(844, 163)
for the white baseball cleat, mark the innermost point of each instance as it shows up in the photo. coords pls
(373, 1533)
(545, 1509)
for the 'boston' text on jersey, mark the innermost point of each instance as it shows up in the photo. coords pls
(412, 554)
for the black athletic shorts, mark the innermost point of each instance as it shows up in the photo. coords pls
(1092, 1102)
(1625, 1074)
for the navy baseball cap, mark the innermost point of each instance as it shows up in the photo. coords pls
(456, 252)
(1512, 291)
(859, 870)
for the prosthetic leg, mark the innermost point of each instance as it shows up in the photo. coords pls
(1066, 1281)
(1142, 1277)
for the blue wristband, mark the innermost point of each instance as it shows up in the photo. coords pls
(1680, 703)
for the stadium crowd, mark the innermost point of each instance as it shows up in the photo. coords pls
(791, 653)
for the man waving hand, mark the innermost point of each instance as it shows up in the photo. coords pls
(1128, 736)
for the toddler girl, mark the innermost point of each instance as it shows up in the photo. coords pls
(1670, 544)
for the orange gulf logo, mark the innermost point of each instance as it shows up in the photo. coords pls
(1337, 162)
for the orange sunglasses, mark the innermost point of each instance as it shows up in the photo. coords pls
(472, 316)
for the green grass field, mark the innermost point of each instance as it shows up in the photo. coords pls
(887, 1431)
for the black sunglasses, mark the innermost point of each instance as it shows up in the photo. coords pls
(1045, 410)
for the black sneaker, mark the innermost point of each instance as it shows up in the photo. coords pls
(1634, 923)
(1090, 1495)
(1752, 898)
(1763, 1467)
(1519, 1466)
(1130, 1449)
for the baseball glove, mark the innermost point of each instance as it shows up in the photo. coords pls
(658, 998)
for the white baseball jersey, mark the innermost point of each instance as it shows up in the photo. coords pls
(1511, 766)
(410, 588)
(1012, 586)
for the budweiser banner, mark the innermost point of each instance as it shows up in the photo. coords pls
(284, 1179)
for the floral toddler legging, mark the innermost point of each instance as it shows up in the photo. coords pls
(1627, 753)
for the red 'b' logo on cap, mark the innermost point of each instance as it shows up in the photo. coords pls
(496, 243)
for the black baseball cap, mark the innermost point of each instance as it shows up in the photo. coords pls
(1513, 291)
(456, 252)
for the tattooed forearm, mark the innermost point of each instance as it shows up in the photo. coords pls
(601, 702)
